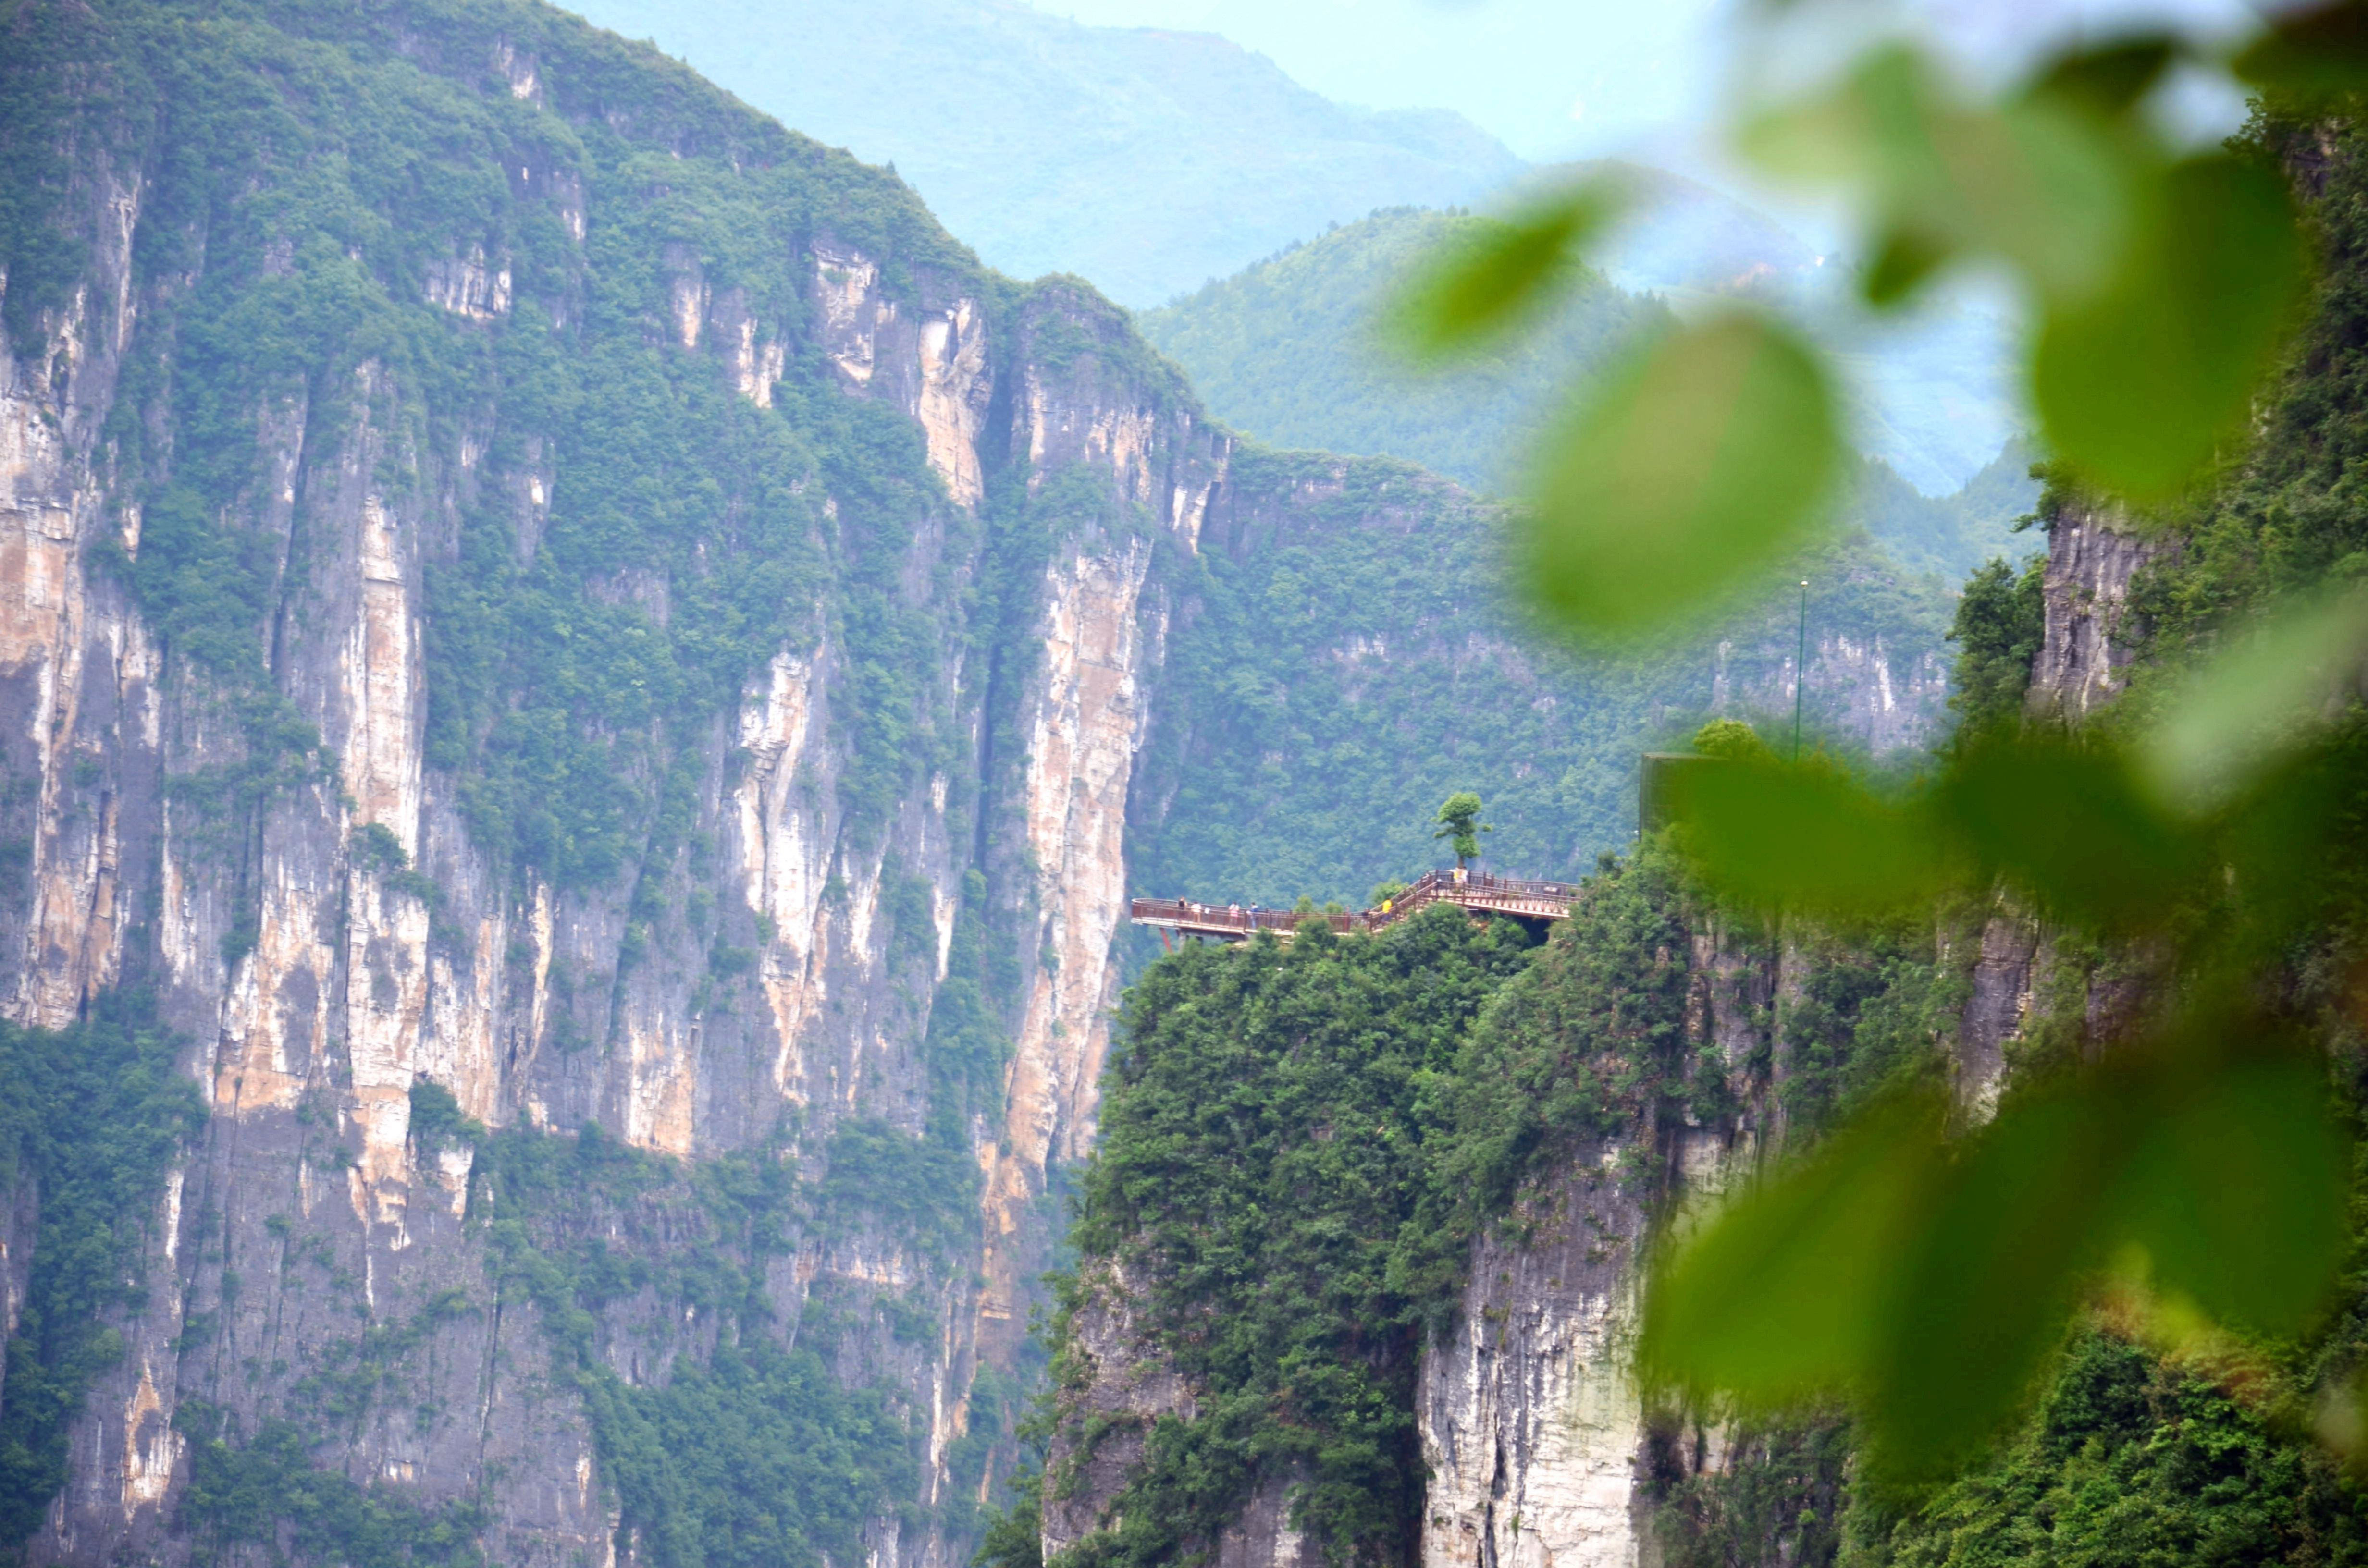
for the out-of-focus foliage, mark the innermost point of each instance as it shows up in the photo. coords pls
(2140, 382)
(1932, 1275)
(1683, 476)
(1505, 270)
(1922, 1266)
(2163, 284)
(2312, 57)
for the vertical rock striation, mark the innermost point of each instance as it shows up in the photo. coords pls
(277, 845)
(1531, 1424)
(2093, 553)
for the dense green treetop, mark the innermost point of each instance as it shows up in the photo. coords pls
(1288, 351)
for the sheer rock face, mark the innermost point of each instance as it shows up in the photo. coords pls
(2092, 555)
(1532, 1425)
(314, 983)
(1531, 1422)
(1127, 1381)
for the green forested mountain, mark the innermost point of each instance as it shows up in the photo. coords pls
(1291, 351)
(582, 688)
(1144, 159)
(1336, 681)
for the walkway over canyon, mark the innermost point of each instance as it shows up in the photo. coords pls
(1515, 897)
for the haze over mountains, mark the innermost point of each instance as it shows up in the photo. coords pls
(1143, 160)
(1289, 349)
(1152, 161)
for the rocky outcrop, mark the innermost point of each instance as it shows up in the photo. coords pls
(1123, 1382)
(2093, 553)
(1534, 1430)
(1864, 687)
(1532, 1423)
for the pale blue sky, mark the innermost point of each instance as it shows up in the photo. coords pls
(1554, 78)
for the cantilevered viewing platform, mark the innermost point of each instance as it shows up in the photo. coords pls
(1515, 897)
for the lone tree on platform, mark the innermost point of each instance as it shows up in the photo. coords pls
(1460, 825)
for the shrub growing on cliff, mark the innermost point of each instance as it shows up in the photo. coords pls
(1997, 631)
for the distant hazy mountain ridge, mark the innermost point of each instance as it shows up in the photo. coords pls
(1290, 350)
(1145, 160)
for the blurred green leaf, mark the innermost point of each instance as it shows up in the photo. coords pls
(2109, 79)
(2067, 823)
(2235, 1187)
(2035, 180)
(1776, 1297)
(1848, 133)
(1993, 1266)
(2043, 185)
(1901, 266)
(1933, 1281)
(2138, 385)
(1484, 284)
(2313, 55)
(2295, 835)
(1685, 471)
(1804, 837)
(2267, 690)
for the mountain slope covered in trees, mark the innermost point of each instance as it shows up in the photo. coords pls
(1295, 350)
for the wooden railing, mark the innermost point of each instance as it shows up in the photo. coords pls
(1525, 898)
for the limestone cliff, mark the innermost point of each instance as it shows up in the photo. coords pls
(603, 681)
(2093, 553)
(281, 836)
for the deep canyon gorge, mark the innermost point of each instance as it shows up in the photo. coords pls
(587, 691)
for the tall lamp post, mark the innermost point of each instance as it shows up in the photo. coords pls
(1800, 669)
